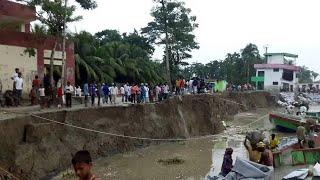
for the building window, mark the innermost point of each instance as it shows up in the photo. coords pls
(276, 70)
(261, 73)
(275, 83)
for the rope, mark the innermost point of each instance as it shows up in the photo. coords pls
(8, 173)
(259, 119)
(227, 100)
(125, 136)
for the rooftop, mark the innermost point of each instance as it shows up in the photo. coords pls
(12, 11)
(280, 66)
(281, 54)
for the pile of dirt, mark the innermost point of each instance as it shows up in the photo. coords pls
(32, 148)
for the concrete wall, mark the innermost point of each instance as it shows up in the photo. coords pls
(12, 57)
(275, 59)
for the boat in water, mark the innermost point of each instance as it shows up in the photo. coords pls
(289, 123)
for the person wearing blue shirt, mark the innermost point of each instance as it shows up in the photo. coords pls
(105, 90)
(86, 93)
(93, 93)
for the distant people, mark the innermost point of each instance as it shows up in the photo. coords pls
(301, 135)
(158, 91)
(59, 95)
(126, 92)
(166, 91)
(195, 84)
(18, 86)
(42, 96)
(36, 84)
(227, 162)
(146, 97)
(78, 91)
(82, 164)
(122, 94)
(106, 92)
(33, 96)
(274, 142)
(254, 154)
(68, 91)
(93, 93)
(113, 92)
(134, 90)
(98, 93)
(266, 156)
(15, 74)
(86, 93)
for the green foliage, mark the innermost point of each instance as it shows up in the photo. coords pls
(235, 68)
(307, 76)
(172, 26)
(108, 56)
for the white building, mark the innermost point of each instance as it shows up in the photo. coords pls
(279, 73)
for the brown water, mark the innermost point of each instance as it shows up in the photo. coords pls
(198, 155)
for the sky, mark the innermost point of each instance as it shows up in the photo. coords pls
(225, 26)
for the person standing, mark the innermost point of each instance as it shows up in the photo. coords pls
(42, 95)
(146, 88)
(113, 92)
(86, 94)
(69, 90)
(123, 94)
(166, 91)
(133, 93)
(106, 93)
(14, 76)
(126, 91)
(92, 93)
(59, 95)
(18, 86)
(98, 93)
(301, 135)
(36, 85)
(227, 162)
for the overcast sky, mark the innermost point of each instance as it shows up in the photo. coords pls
(291, 26)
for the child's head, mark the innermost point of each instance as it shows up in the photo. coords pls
(273, 136)
(82, 164)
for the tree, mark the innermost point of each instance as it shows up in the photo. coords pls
(122, 59)
(314, 75)
(173, 27)
(55, 15)
(250, 55)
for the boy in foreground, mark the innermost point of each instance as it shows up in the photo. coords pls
(82, 164)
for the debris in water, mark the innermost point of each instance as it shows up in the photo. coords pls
(171, 161)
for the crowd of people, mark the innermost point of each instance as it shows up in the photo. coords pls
(47, 93)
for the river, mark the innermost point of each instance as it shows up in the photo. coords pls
(196, 156)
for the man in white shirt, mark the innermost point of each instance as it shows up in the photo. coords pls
(126, 91)
(18, 86)
(69, 90)
(166, 91)
(147, 93)
(14, 76)
(122, 92)
(113, 93)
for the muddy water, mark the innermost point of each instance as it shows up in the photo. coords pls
(198, 156)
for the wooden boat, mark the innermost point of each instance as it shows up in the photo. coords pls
(294, 155)
(286, 122)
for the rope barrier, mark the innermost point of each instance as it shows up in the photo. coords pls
(125, 136)
(227, 100)
(8, 173)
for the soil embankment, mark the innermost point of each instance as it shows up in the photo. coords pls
(32, 148)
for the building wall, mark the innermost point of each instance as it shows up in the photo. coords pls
(42, 46)
(270, 76)
(13, 57)
(275, 59)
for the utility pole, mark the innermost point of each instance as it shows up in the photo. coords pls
(63, 78)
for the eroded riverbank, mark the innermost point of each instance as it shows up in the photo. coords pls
(197, 155)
